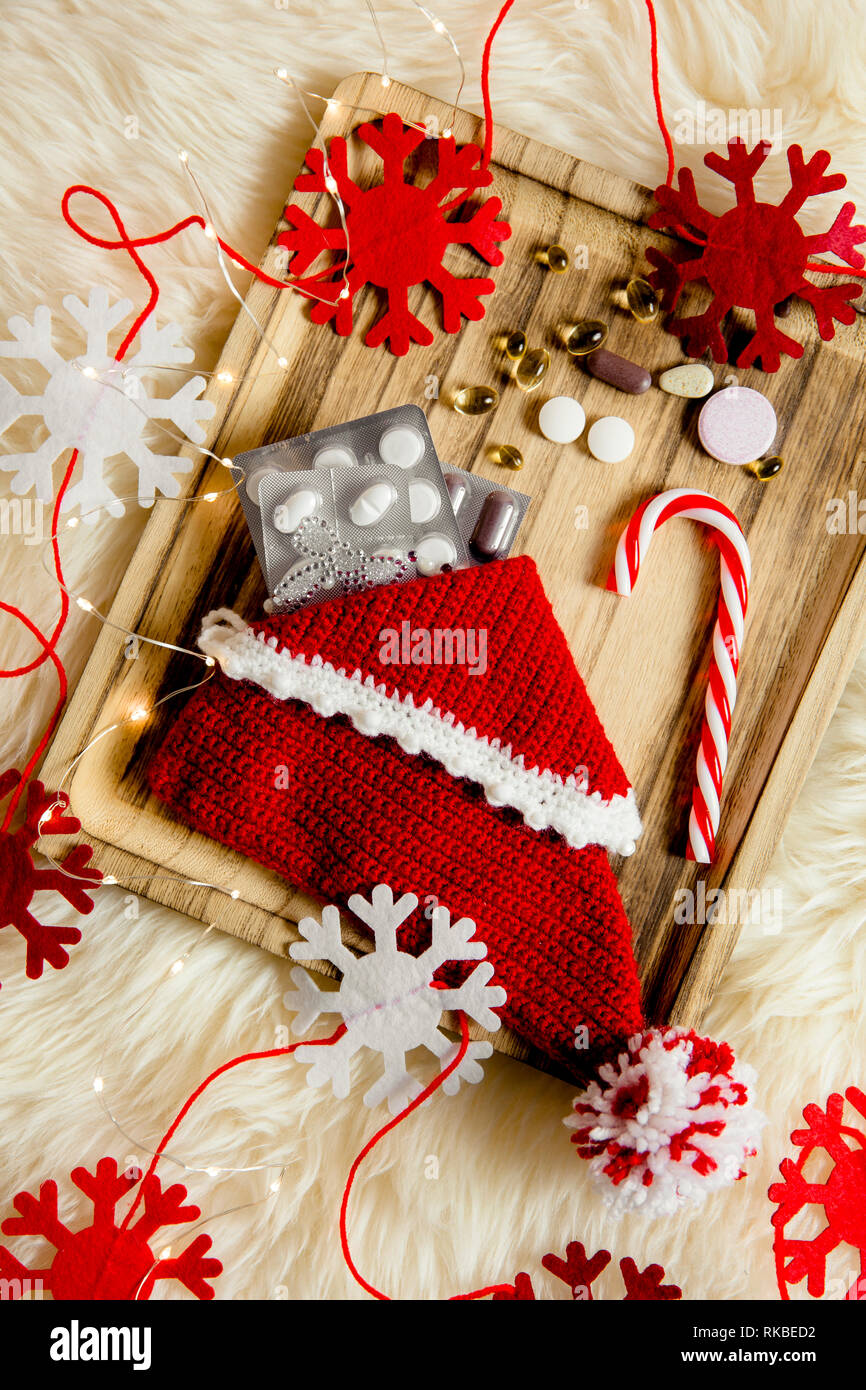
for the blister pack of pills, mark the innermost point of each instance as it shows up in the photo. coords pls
(488, 513)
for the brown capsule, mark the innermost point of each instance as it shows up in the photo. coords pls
(585, 336)
(619, 372)
(531, 368)
(476, 400)
(515, 345)
(642, 300)
(765, 469)
(493, 527)
(508, 455)
(556, 257)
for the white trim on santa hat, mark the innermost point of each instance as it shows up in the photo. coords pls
(544, 799)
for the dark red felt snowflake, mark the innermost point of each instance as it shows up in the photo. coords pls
(396, 234)
(104, 1261)
(842, 1194)
(754, 256)
(579, 1271)
(20, 878)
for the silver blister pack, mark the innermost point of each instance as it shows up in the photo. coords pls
(488, 513)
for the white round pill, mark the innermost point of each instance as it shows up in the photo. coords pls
(373, 502)
(610, 439)
(335, 456)
(289, 514)
(424, 501)
(402, 446)
(432, 553)
(561, 419)
(254, 478)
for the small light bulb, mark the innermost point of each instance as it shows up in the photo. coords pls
(229, 463)
(447, 132)
(138, 714)
(386, 81)
(73, 521)
(275, 1185)
(282, 74)
(225, 376)
(90, 372)
(344, 292)
(177, 967)
(98, 1084)
(210, 497)
(213, 1172)
(439, 26)
(85, 604)
(209, 231)
(109, 878)
(283, 362)
(165, 1253)
(183, 157)
(333, 105)
(235, 893)
(209, 661)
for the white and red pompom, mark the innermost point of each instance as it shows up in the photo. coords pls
(670, 1121)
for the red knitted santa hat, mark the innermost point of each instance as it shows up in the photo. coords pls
(437, 737)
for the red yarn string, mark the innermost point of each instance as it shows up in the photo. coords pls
(485, 84)
(194, 1095)
(368, 1148)
(657, 95)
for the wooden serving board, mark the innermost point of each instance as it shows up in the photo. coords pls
(644, 659)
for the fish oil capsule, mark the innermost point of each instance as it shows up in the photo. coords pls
(642, 300)
(531, 368)
(556, 257)
(476, 400)
(507, 454)
(493, 527)
(765, 469)
(585, 336)
(515, 345)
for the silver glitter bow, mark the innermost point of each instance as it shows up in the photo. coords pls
(332, 567)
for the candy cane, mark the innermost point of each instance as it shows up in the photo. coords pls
(736, 569)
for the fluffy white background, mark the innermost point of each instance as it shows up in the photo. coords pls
(199, 74)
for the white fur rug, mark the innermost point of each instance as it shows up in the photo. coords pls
(77, 74)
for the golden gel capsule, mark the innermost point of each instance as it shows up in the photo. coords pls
(642, 300)
(508, 455)
(531, 368)
(585, 336)
(476, 400)
(765, 469)
(515, 346)
(557, 258)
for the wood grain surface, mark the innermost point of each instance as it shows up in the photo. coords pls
(644, 659)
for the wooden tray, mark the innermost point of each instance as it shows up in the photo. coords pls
(644, 658)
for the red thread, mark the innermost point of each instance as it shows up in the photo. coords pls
(368, 1148)
(657, 96)
(485, 84)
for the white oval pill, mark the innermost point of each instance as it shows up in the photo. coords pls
(372, 504)
(335, 456)
(432, 553)
(561, 419)
(402, 446)
(254, 478)
(289, 514)
(424, 501)
(610, 439)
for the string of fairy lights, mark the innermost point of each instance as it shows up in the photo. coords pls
(118, 377)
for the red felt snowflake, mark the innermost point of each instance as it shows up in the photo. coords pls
(20, 878)
(396, 234)
(754, 256)
(104, 1261)
(842, 1195)
(579, 1271)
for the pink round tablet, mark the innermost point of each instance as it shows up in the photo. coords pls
(737, 425)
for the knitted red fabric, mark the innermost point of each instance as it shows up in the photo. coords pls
(494, 793)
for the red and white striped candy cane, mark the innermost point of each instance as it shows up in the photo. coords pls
(736, 569)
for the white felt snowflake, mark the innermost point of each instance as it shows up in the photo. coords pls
(387, 998)
(99, 406)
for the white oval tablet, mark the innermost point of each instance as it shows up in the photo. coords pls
(289, 514)
(402, 446)
(610, 439)
(424, 501)
(254, 478)
(335, 456)
(373, 502)
(432, 553)
(561, 419)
